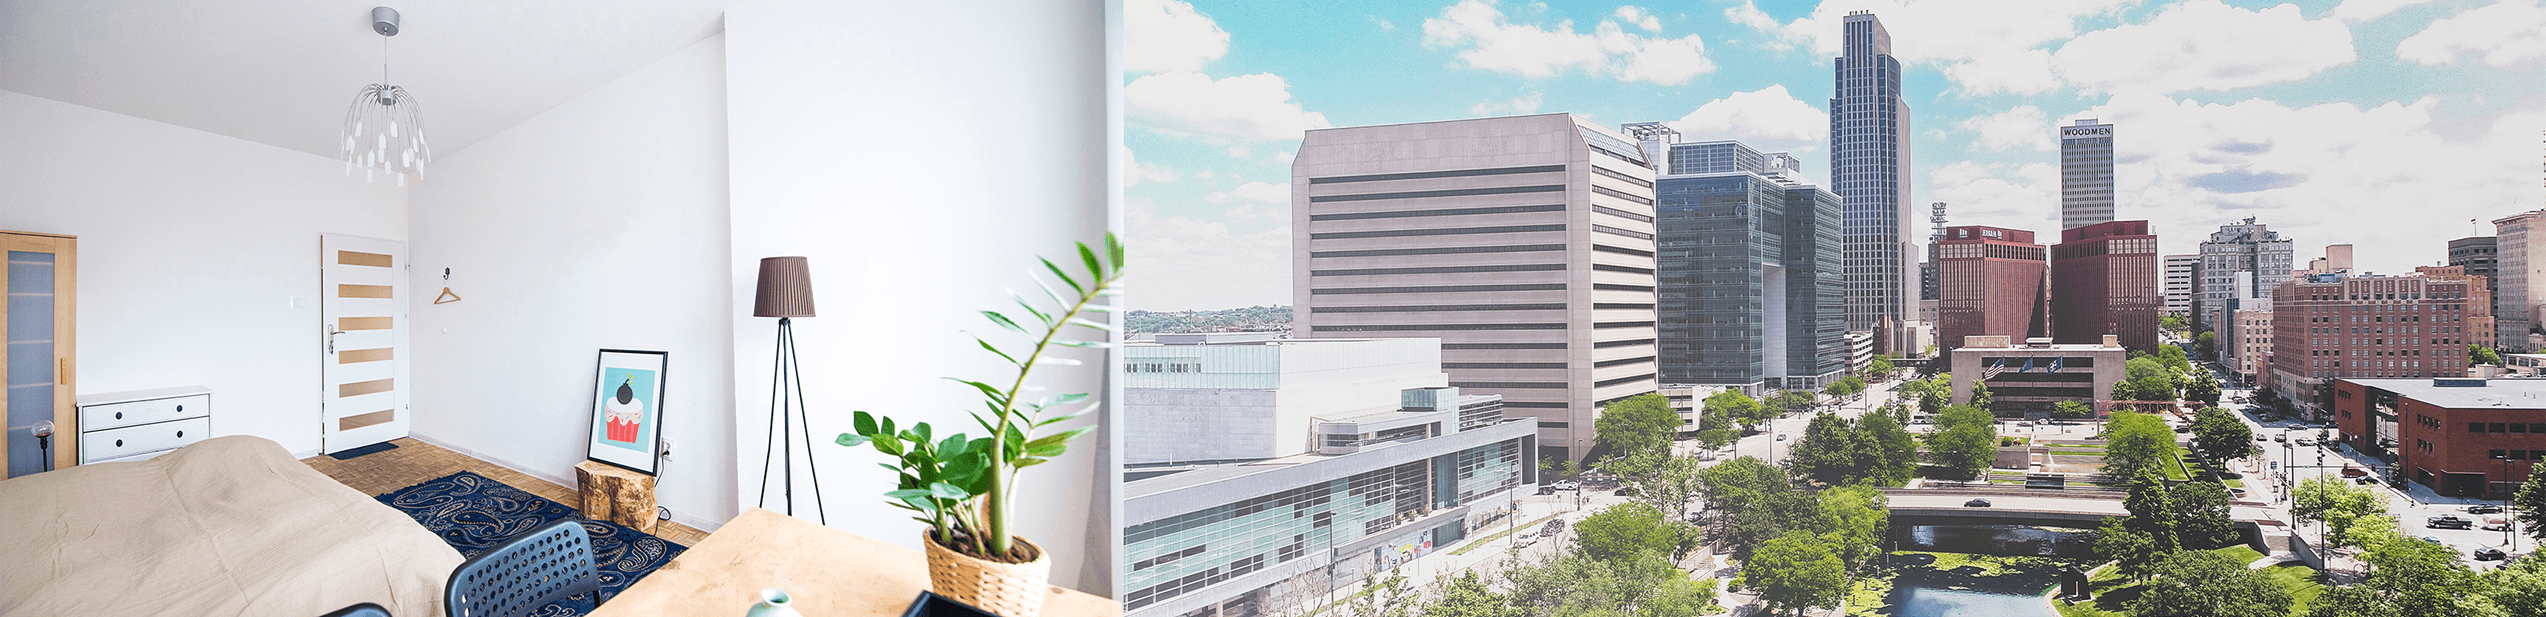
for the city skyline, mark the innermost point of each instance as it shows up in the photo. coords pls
(2310, 116)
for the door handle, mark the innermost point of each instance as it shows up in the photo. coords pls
(331, 340)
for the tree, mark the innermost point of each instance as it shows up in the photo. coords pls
(1624, 530)
(1795, 571)
(1852, 521)
(2480, 354)
(2072, 410)
(1741, 483)
(1965, 442)
(2173, 323)
(2351, 602)
(1774, 515)
(2146, 379)
(2172, 357)
(2207, 342)
(1738, 407)
(1981, 398)
(1892, 449)
(2531, 503)
(1383, 596)
(1467, 596)
(1663, 481)
(2423, 579)
(2200, 512)
(2202, 387)
(2152, 512)
(1787, 401)
(1830, 452)
(2337, 504)
(2134, 554)
(1881, 368)
(2517, 589)
(1637, 424)
(2220, 437)
(2211, 584)
(2136, 442)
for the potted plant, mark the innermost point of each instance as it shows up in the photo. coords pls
(962, 486)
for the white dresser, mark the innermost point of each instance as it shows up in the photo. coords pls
(131, 426)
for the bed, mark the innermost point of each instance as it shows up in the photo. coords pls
(229, 526)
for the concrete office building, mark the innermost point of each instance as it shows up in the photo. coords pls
(1870, 157)
(1750, 287)
(2104, 281)
(2248, 247)
(2519, 283)
(2461, 437)
(2337, 326)
(2179, 288)
(1377, 464)
(2246, 344)
(1990, 283)
(1525, 243)
(2478, 255)
(2036, 375)
(2337, 260)
(1690, 401)
(2086, 175)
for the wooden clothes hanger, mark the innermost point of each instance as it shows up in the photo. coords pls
(447, 297)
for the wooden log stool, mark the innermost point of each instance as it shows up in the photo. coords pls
(616, 495)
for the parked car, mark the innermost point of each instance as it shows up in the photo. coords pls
(2281, 438)
(1976, 503)
(2496, 523)
(2262, 438)
(2355, 472)
(1568, 485)
(2483, 508)
(2490, 554)
(2448, 521)
(1626, 492)
(2434, 540)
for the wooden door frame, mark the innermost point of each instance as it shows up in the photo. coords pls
(66, 414)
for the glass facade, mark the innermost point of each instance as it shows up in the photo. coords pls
(2086, 174)
(1750, 281)
(1869, 150)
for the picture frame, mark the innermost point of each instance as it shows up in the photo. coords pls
(627, 409)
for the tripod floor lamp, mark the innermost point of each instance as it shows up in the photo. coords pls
(786, 292)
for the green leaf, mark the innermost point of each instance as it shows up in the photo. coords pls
(1065, 276)
(888, 428)
(1049, 293)
(1003, 321)
(995, 349)
(921, 430)
(1095, 269)
(952, 447)
(865, 423)
(988, 390)
(1053, 450)
(1081, 344)
(1039, 316)
(947, 491)
(1064, 399)
(1028, 462)
(1059, 419)
(1114, 249)
(851, 440)
(1094, 324)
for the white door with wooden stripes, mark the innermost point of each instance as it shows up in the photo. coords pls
(363, 322)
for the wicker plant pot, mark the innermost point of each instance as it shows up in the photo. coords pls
(1009, 589)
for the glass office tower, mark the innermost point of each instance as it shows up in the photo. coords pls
(1750, 281)
(1870, 153)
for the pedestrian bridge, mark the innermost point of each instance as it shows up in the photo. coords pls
(1911, 507)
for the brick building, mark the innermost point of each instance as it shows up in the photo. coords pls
(1989, 282)
(2459, 436)
(2331, 326)
(2104, 281)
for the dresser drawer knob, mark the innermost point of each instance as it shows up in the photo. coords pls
(181, 433)
(181, 408)
(119, 443)
(119, 415)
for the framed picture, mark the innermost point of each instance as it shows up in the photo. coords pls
(627, 409)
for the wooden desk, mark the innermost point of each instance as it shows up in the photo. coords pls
(831, 573)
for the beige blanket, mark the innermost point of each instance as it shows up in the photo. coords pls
(228, 526)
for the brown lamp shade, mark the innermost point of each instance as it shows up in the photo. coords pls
(786, 288)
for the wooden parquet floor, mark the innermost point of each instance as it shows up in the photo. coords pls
(414, 462)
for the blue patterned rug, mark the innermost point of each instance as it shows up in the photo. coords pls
(473, 514)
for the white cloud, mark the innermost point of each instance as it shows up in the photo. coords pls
(1233, 110)
(1136, 172)
(1284, 157)
(1254, 192)
(1166, 36)
(2359, 11)
(1632, 15)
(1519, 105)
(2205, 45)
(2000, 195)
(1769, 119)
(2504, 34)
(1494, 44)
(2020, 127)
(1985, 46)
(1190, 263)
(1383, 23)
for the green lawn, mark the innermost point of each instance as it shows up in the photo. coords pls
(2112, 593)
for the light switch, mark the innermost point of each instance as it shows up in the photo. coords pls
(299, 303)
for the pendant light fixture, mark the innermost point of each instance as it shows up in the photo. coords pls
(384, 128)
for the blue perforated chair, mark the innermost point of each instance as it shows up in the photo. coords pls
(525, 573)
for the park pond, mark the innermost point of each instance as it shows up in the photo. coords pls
(1977, 570)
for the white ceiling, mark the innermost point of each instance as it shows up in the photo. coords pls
(281, 72)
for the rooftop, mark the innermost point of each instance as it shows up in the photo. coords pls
(2493, 394)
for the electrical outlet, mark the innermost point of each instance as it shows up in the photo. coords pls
(669, 447)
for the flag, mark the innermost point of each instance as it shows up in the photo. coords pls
(2028, 365)
(2055, 364)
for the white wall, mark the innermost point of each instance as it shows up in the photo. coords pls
(192, 248)
(600, 223)
(921, 155)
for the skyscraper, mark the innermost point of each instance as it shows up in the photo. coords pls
(1870, 154)
(2247, 247)
(2520, 246)
(1524, 243)
(2086, 175)
(2104, 281)
(2179, 284)
(1750, 281)
(2478, 255)
(1989, 282)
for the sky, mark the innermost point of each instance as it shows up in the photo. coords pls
(2386, 124)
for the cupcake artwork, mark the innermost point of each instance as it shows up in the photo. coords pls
(627, 407)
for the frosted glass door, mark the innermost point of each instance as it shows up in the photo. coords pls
(37, 367)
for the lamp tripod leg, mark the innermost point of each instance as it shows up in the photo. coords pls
(769, 445)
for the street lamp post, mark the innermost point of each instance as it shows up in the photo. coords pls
(2507, 538)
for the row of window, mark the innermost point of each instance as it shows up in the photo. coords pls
(1327, 291)
(1397, 214)
(2506, 428)
(1445, 231)
(1429, 327)
(1435, 308)
(1490, 190)
(1442, 270)
(1451, 173)
(1442, 250)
